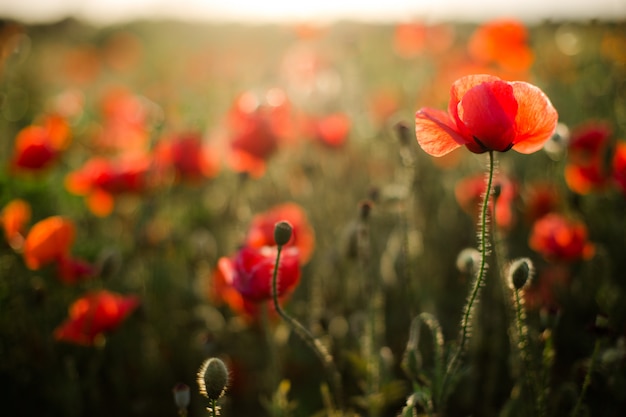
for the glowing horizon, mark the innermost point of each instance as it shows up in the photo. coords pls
(250, 11)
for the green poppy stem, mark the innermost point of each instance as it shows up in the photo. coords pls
(478, 283)
(319, 349)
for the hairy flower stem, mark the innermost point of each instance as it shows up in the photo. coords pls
(319, 349)
(478, 281)
(213, 408)
(583, 391)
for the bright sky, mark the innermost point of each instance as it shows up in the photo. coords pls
(109, 11)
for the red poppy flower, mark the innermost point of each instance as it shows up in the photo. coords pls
(502, 42)
(251, 269)
(14, 218)
(38, 146)
(186, 155)
(93, 315)
(544, 290)
(619, 166)
(261, 231)
(257, 127)
(559, 238)
(71, 270)
(48, 241)
(469, 194)
(587, 163)
(486, 113)
(331, 130)
(101, 179)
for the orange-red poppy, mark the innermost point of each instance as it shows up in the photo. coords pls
(560, 238)
(93, 315)
(261, 231)
(257, 126)
(619, 166)
(331, 130)
(101, 179)
(187, 157)
(503, 42)
(38, 146)
(14, 218)
(48, 240)
(588, 167)
(72, 270)
(486, 113)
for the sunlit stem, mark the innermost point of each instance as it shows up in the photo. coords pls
(213, 408)
(478, 281)
(319, 349)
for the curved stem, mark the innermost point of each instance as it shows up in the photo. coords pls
(319, 349)
(587, 381)
(478, 281)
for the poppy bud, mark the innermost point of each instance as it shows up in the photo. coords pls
(213, 378)
(467, 260)
(282, 233)
(520, 273)
(181, 396)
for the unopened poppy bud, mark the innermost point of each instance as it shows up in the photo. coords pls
(467, 260)
(282, 232)
(497, 191)
(520, 273)
(213, 378)
(181, 396)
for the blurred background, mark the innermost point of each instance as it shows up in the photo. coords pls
(142, 142)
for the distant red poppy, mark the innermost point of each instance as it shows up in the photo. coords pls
(14, 218)
(71, 270)
(588, 167)
(503, 42)
(469, 194)
(543, 291)
(38, 146)
(331, 130)
(48, 241)
(261, 231)
(125, 117)
(93, 315)
(100, 180)
(250, 271)
(619, 166)
(186, 155)
(486, 113)
(559, 238)
(257, 126)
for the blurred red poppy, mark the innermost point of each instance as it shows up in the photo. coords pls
(186, 155)
(486, 113)
(331, 130)
(71, 270)
(619, 166)
(93, 315)
(14, 218)
(469, 194)
(100, 180)
(559, 238)
(48, 241)
(38, 146)
(261, 231)
(257, 126)
(503, 42)
(250, 271)
(543, 292)
(588, 167)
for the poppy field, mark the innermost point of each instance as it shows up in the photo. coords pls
(411, 219)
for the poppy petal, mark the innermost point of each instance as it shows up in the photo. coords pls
(536, 118)
(488, 111)
(436, 132)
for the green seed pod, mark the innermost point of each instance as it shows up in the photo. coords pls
(213, 378)
(282, 232)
